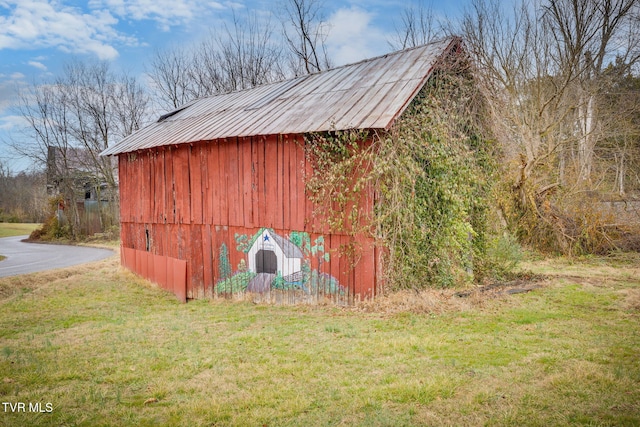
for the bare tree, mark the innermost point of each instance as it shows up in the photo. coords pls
(417, 26)
(45, 109)
(512, 54)
(240, 56)
(247, 54)
(170, 73)
(130, 105)
(306, 31)
(590, 34)
(541, 64)
(106, 107)
(619, 145)
(69, 122)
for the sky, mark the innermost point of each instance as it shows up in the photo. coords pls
(37, 37)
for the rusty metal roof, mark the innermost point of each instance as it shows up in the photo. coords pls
(369, 94)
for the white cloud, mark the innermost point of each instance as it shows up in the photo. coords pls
(38, 65)
(167, 13)
(353, 38)
(49, 23)
(10, 122)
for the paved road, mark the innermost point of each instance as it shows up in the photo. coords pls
(25, 258)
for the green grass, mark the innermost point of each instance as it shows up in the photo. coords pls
(107, 349)
(8, 229)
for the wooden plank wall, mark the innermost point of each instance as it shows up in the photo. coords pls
(169, 273)
(185, 201)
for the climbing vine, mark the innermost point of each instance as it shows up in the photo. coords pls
(339, 180)
(431, 174)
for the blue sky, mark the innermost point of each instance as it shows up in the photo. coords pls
(38, 36)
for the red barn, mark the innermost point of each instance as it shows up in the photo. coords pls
(212, 195)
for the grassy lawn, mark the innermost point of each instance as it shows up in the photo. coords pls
(8, 229)
(105, 348)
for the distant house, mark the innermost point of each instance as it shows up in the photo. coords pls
(227, 171)
(71, 171)
(69, 166)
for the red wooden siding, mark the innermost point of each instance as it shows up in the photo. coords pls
(169, 273)
(181, 204)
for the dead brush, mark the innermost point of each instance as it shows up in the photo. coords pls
(427, 301)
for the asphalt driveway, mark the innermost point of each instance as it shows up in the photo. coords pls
(25, 258)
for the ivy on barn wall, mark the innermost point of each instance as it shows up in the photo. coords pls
(432, 175)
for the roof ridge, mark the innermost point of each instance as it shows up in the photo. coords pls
(304, 76)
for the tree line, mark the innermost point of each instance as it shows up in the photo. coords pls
(560, 79)
(22, 196)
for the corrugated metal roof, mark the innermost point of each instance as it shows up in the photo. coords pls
(367, 95)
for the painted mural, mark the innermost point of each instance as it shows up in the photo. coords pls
(273, 262)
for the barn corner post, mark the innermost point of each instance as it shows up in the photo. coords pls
(214, 197)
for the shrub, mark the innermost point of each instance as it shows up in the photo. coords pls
(503, 255)
(51, 228)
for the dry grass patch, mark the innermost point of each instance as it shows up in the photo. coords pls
(602, 271)
(631, 301)
(49, 281)
(440, 301)
(428, 301)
